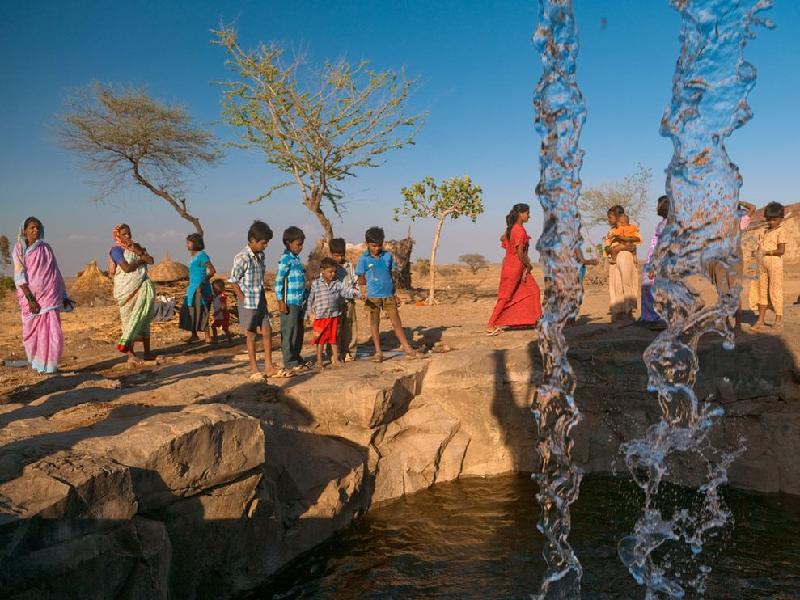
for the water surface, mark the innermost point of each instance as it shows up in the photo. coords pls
(477, 538)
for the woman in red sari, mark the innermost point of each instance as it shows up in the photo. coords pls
(518, 300)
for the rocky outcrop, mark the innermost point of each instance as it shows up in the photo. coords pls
(209, 486)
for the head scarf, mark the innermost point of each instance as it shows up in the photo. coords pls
(21, 248)
(118, 241)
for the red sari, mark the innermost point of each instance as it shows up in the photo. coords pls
(518, 301)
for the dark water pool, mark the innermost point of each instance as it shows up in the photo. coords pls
(476, 538)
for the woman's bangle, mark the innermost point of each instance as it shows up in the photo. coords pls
(30, 297)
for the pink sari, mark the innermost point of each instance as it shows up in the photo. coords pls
(41, 333)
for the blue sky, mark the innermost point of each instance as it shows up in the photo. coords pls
(477, 69)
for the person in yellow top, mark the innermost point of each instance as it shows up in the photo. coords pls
(771, 248)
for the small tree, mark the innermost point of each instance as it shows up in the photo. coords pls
(126, 133)
(5, 253)
(423, 266)
(475, 262)
(319, 127)
(452, 198)
(630, 193)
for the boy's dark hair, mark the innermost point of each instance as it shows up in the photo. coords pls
(196, 240)
(662, 207)
(774, 210)
(218, 283)
(375, 235)
(328, 263)
(292, 234)
(337, 246)
(617, 210)
(259, 232)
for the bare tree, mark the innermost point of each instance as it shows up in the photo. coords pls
(475, 262)
(631, 193)
(5, 253)
(126, 133)
(451, 198)
(319, 127)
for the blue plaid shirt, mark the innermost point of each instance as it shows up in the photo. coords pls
(293, 273)
(325, 299)
(248, 273)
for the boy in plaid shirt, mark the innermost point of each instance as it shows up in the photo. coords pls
(325, 304)
(290, 290)
(247, 279)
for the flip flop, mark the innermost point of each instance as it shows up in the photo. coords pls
(377, 358)
(256, 377)
(495, 331)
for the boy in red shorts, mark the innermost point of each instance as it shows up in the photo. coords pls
(325, 307)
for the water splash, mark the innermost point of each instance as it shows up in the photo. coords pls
(709, 101)
(560, 114)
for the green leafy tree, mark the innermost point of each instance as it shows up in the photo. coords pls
(126, 135)
(452, 198)
(475, 262)
(321, 126)
(631, 193)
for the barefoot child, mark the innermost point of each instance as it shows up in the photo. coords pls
(374, 270)
(325, 305)
(771, 248)
(219, 304)
(290, 290)
(194, 312)
(348, 324)
(247, 278)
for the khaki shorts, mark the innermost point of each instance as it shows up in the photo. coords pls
(376, 304)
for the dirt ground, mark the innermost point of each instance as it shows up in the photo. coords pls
(457, 321)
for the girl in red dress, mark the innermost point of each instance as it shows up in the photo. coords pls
(518, 300)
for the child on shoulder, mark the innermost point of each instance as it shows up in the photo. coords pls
(771, 248)
(325, 305)
(374, 271)
(221, 316)
(290, 290)
(247, 279)
(348, 323)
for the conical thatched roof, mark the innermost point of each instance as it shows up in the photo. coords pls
(91, 283)
(168, 270)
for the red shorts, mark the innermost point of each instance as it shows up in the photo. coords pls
(325, 330)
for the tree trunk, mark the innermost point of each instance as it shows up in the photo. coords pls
(313, 203)
(436, 236)
(178, 205)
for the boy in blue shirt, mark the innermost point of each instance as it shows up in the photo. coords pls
(374, 270)
(290, 290)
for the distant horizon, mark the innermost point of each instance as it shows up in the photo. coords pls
(477, 69)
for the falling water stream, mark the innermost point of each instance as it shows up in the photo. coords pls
(709, 101)
(560, 114)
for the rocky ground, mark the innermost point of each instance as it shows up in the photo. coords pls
(182, 477)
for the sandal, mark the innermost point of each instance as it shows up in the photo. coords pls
(377, 358)
(280, 374)
(256, 377)
(495, 331)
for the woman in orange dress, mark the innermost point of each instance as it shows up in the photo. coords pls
(518, 301)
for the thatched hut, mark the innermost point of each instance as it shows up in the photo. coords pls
(92, 285)
(168, 271)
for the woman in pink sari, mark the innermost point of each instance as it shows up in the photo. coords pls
(42, 296)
